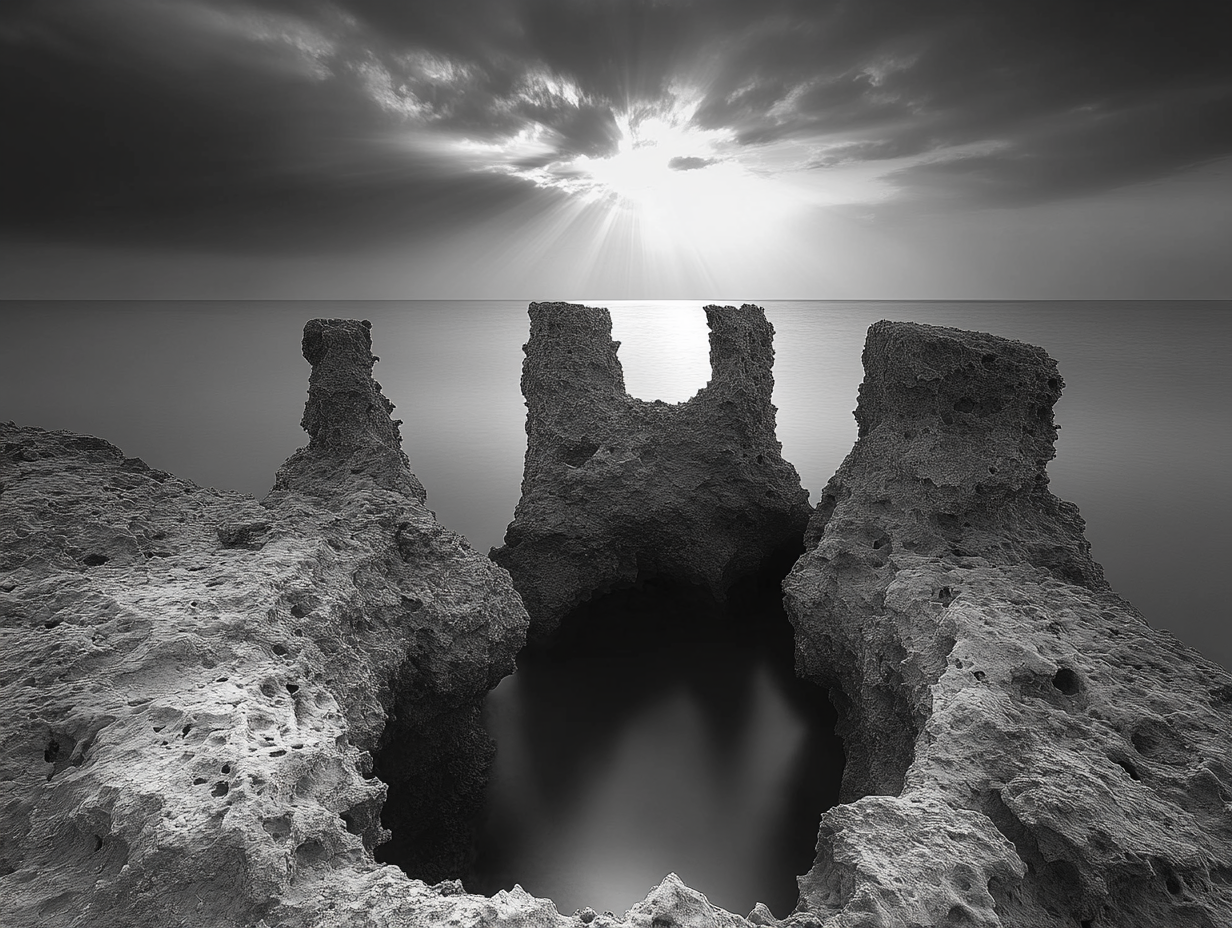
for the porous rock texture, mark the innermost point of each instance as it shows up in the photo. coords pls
(616, 488)
(1023, 749)
(194, 684)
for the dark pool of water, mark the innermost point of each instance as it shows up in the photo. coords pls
(655, 733)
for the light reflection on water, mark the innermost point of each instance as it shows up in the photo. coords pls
(653, 741)
(664, 795)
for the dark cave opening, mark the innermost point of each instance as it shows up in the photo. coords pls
(658, 730)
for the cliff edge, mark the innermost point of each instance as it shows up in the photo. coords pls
(1024, 751)
(616, 488)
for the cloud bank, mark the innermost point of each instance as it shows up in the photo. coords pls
(277, 124)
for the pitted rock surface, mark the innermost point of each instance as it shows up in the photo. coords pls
(1023, 749)
(616, 488)
(194, 684)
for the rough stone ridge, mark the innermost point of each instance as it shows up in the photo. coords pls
(1023, 750)
(194, 684)
(616, 487)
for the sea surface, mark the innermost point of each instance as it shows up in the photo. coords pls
(614, 768)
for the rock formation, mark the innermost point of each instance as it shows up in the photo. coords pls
(1023, 749)
(197, 689)
(616, 487)
(194, 684)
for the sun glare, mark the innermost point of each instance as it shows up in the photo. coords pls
(673, 208)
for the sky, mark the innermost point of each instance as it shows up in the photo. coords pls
(620, 149)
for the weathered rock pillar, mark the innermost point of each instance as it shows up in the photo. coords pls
(616, 488)
(1030, 753)
(347, 417)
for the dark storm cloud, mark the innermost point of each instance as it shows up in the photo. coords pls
(1008, 103)
(237, 126)
(281, 121)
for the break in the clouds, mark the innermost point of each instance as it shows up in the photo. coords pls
(237, 124)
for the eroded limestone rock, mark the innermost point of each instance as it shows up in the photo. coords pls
(195, 683)
(1023, 749)
(193, 686)
(616, 487)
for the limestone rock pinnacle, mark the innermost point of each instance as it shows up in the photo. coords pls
(347, 417)
(616, 487)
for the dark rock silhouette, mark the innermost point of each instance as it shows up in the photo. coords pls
(1029, 751)
(616, 488)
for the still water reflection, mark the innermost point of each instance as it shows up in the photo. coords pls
(656, 734)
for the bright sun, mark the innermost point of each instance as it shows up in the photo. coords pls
(649, 158)
(680, 188)
(673, 203)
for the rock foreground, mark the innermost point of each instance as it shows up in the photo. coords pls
(197, 688)
(616, 488)
(1029, 751)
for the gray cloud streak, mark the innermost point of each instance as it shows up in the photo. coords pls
(236, 124)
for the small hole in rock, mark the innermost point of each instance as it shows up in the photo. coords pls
(94, 560)
(279, 649)
(226, 768)
(198, 781)
(292, 688)
(220, 789)
(1067, 681)
(53, 623)
(186, 729)
(298, 611)
(277, 753)
(979, 674)
(1174, 884)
